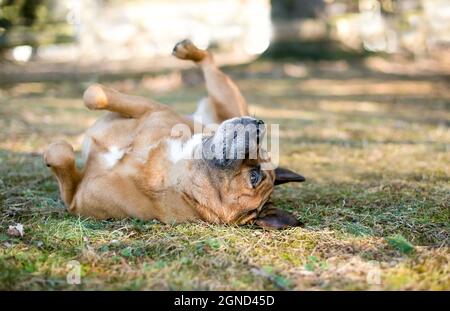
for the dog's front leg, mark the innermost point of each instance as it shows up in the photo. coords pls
(99, 97)
(60, 157)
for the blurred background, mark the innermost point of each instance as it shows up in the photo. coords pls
(47, 39)
(300, 63)
(360, 90)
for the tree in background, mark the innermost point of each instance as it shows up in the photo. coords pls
(17, 14)
(293, 9)
(30, 22)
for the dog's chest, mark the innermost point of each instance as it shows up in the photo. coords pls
(113, 138)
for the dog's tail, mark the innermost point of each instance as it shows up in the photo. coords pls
(60, 157)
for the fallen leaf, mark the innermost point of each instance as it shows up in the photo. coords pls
(7, 244)
(16, 231)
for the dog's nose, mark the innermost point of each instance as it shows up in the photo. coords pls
(248, 121)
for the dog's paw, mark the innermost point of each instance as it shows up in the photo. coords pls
(59, 154)
(187, 50)
(95, 97)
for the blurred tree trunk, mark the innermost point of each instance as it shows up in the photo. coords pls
(296, 20)
(295, 9)
(20, 13)
(301, 31)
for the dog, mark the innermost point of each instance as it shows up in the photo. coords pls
(136, 167)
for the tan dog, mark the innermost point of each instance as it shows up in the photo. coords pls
(136, 167)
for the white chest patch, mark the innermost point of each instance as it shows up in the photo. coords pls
(113, 155)
(205, 113)
(86, 148)
(177, 150)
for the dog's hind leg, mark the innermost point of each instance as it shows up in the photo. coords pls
(60, 157)
(99, 97)
(224, 96)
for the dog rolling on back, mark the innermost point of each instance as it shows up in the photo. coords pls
(135, 166)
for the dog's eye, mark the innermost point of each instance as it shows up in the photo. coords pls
(255, 177)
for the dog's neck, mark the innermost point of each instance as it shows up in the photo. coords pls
(190, 182)
(180, 180)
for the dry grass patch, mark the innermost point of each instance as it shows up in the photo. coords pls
(373, 146)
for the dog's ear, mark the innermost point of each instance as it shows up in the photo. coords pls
(275, 218)
(283, 175)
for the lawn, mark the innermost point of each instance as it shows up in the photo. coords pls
(373, 144)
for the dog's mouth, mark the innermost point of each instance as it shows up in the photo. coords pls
(248, 216)
(274, 218)
(269, 217)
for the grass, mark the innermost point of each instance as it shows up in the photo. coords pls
(373, 146)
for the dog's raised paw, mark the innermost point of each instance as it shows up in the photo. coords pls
(94, 97)
(188, 51)
(59, 154)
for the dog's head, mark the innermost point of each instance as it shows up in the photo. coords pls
(236, 170)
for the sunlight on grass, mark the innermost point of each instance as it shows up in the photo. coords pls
(366, 86)
(375, 153)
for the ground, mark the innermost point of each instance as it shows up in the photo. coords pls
(371, 138)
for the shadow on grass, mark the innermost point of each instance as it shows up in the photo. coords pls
(372, 208)
(311, 50)
(376, 207)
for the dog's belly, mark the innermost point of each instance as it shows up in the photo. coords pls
(124, 171)
(119, 195)
(113, 131)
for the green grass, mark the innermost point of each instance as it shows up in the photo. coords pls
(374, 148)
